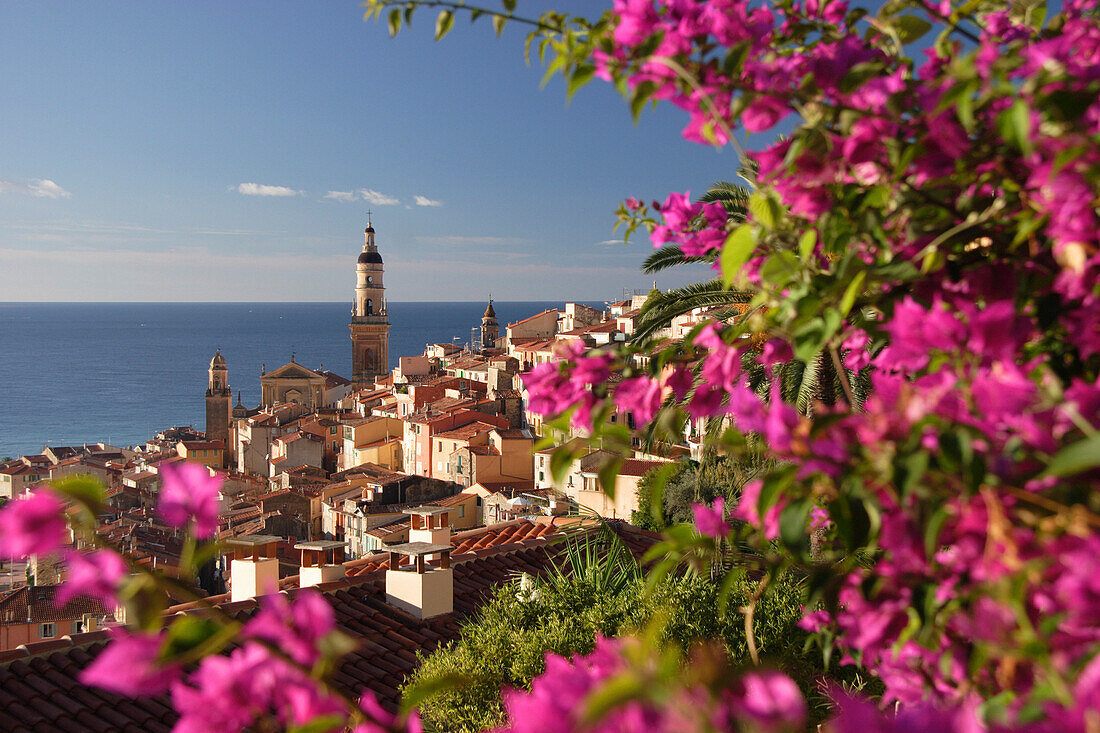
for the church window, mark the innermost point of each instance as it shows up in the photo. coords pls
(370, 306)
(370, 278)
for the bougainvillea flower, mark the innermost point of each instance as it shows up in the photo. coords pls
(32, 525)
(190, 494)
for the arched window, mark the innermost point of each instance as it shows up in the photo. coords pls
(370, 307)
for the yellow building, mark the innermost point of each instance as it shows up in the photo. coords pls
(375, 439)
(209, 453)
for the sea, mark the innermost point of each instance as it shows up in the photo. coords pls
(74, 373)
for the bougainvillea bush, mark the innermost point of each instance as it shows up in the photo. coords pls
(929, 218)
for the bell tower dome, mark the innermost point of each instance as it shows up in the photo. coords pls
(370, 324)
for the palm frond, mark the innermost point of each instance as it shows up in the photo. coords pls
(670, 256)
(660, 308)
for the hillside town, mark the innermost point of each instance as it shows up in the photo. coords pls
(440, 449)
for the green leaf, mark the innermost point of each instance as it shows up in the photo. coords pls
(735, 252)
(1073, 459)
(499, 21)
(932, 530)
(509, 5)
(617, 690)
(851, 292)
(190, 637)
(322, 724)
(1021, 124)
(443, 23)
(911, 27)
(792, 524)
(83, 490)
(854, 522)
(395, 21)
(579, 78)
(806, 244)
(1014, 125)
(657, 481)
(764, 210)
(607, 474)
(423, 689)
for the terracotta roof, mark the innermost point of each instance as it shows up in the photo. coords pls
(35, 604)
(517, 484)
(638, 466)
(39, 690)
(454, 499)
(531, 318)
(467, 431)
(203, 444)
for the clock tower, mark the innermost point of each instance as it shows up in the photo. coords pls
(370, 324)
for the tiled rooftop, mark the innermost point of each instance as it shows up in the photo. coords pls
(39, 690)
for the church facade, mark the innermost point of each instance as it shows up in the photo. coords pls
(370, 323)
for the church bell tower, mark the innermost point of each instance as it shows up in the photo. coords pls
(219, 399)
(370, 324)
(490, 328)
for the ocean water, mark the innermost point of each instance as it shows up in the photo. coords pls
(118, 372)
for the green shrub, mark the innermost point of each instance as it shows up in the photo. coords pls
(506, 646)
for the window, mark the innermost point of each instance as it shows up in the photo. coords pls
(542, 476)
(77, 627)
(47, 631)
(440, 449)
(461, 512)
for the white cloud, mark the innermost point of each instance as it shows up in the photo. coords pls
(425, 201)
(262, 189)
(40, 187)
(377, 198)
(341, 195)
(364, 194)
(609, 242)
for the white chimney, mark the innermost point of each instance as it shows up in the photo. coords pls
(322, 561)
(430, 524)
(255, 569)
(421, 590)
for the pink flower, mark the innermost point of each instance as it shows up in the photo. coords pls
(747, 510)
(771, 700)
(128, 665)
(228, 692)
(297, 628)
(763, 113)
(379, 720)
(32, 525)
(95, 574)
(710, 521)
(640, 395)
(190, 493)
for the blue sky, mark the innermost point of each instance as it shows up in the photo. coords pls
(131, 131)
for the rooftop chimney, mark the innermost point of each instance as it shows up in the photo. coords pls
(322, 561)
(255, 569)
(430, 524)
(421, 590)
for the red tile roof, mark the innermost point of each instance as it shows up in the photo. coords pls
(35, 604)
(638, 466)
(531, 318)
(39, 689)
